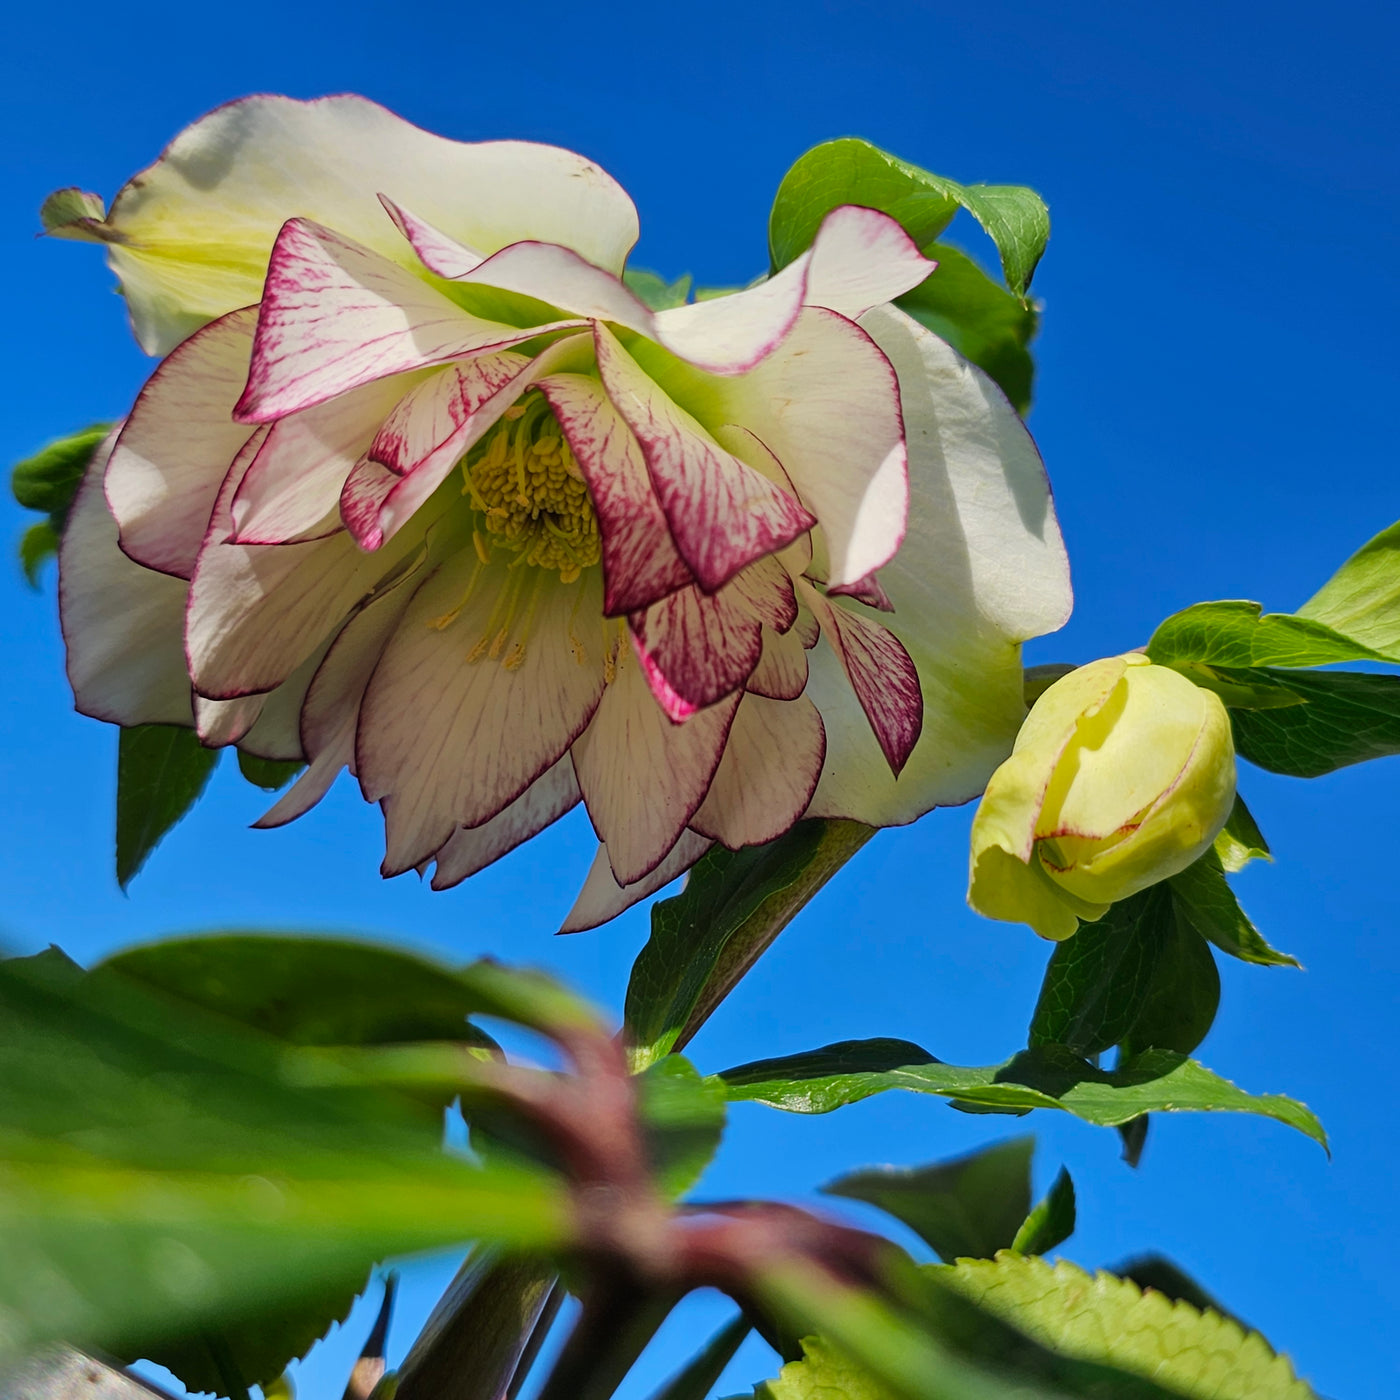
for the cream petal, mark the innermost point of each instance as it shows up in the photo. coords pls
(220, 723)
(781, 673)
(602, 898)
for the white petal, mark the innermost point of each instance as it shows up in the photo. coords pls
(174, 452)
(220, 723)
(602, 898)
(191, 236)
(121, 622)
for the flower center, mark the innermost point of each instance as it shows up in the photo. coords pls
(523, 479)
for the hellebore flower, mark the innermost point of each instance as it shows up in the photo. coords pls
(427, 493)
(1122, 775)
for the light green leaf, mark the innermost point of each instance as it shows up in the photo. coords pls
(655, 290)
(683, 1121)
(1105, 1319)
(38, 543)
(1048, 1076)
(161, 771)
(735, 903)
(49, 479)
(1203, 895)
(970, 1207)
(269, 774)
(67, 207)
(695, 1380)
(1240, 840)
(852, 171)
(1051, 1221)
(1238, 634)
(1362, 599)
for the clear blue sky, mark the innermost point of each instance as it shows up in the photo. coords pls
(1216, 406)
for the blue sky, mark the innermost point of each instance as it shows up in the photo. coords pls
(1215, 405)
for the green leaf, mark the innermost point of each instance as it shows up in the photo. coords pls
(1240, 840)
(705, 939)
(655, 290)
(971, 1206)
(1240, 634)
(167, 1175)
(852, 171)
(49, 479)
(1133, 1135)
(268, 773)
(980, 320)
(683, 1121)
(1052, 1220)
(161, 770)
(38, 543)
(695, 1380)
(1157, 1271)
(1336, 718)
(1184, 993)
(1199, 1355)
(1203, 895)
(1047, 1076)
(1362, 599)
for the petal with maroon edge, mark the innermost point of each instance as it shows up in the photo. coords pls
(446, 740)
(697, 647)
(276, 734)
(827, 405)
(642, 776)
(602, 898)
(722, 513)
(640, 562)
(121, 623)
(881, 673)
(293, 485)
(859, 258)
(335, 315)
(220, 723)
(436, 251)
(771, 765)
(174, 452)
(781, 673)
(470, 849)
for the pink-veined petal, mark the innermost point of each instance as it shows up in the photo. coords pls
(643, 776)
(335, 315)
(174, 452)
(866, 590)
(722, 513)
(881, 673)
(121, 622)
(446, 740)
(827, 405)
(772, 761)
(640, 562)
(470, 849)
(436, 251)
(602, 898)
(781, 673)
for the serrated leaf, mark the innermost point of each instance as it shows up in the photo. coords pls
(683, 1121)
(1203, 895)
(982, 321)
(1362, 599)
(269, 774)
(1240, 840)
(655, 290)
(735, 903)
(161, 771)
(1100, 1318)
(852, 171)
(970, 1206)
(1240, 634)
(695, 1380)
(1157, 1271)
(38, 543)
(1048, 1076)
(1051, 1221)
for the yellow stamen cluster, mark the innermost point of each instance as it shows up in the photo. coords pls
(524, 480)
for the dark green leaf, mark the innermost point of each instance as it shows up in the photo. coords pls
(161, 770)
(1240, 840)
(1048, 1076)
(980, 320)
(1184, 993)
(268, 773)
(655, 290)
(1203, 896)
(852, 171)
(1362, 599)
(1340, 718)
(705, 939)
(38, 543)
(969, 1207)
(1134, 1137)
(1052, 1220)
(683, 1119)
(1240, 634)
(49, 479)
(695, 1380)
(170, 1175)
(1098, 981)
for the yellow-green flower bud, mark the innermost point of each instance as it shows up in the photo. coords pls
(1122, 775)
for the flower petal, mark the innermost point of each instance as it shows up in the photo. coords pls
(827, 405)
(602, 898)
(781, 673)
(444, 256)
(722, 513)
(190, 237)
(121, 622)
(447, 741)
(640, 562)
(174, 452)
(220, 723)
(642, 776)
(335, 315)
(772, 761)
(470, 849)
